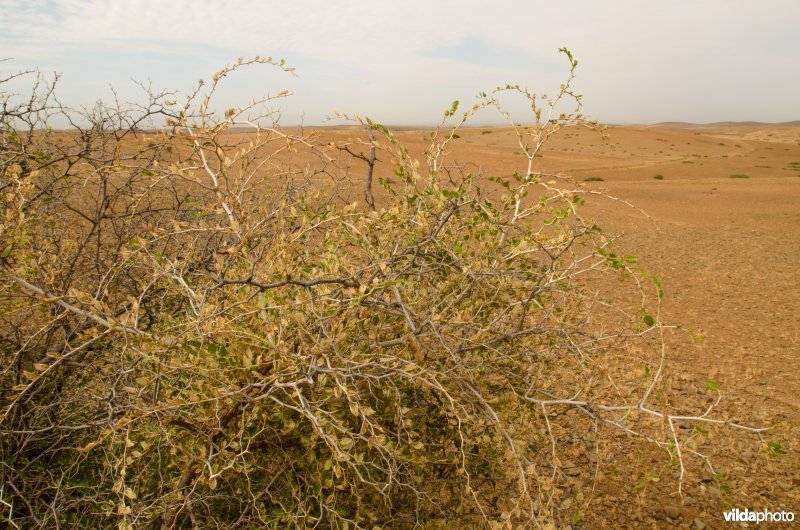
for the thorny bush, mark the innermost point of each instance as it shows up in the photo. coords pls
(199, 328)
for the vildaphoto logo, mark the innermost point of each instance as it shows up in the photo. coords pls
(765, 516)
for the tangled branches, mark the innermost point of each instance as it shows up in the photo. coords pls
(198, 329)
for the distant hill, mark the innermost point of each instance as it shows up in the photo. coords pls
(688, 125)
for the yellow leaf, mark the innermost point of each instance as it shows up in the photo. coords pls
(86, 448)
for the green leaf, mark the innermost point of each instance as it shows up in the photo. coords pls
(712, 385)
(776, 448)
(649, 320)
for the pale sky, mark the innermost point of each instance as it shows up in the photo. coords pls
(403, 62)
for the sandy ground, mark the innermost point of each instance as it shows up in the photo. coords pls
(721, 233)
(726, 250)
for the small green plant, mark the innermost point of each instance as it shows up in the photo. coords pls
(774, 448)
(642, 483)
(594, 179)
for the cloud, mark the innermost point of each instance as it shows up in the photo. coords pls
(640, 60)
(478, 51)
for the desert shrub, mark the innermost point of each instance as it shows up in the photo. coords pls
(594, 179)
(658, 177)
(739, 176)
(201, 327)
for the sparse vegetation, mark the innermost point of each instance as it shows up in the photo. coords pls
(201, 328)
(740, 176)
(658, 177)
